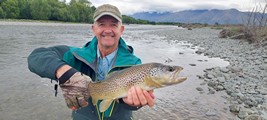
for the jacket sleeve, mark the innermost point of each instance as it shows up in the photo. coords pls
(45, 61)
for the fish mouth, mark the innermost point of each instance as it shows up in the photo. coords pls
(176, 78)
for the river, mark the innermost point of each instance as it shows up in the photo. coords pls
(26, 96)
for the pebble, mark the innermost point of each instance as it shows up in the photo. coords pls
(254, 117)
(192, 64)
(211, 112)
(245, 77)
(234, 108)
(199, 89)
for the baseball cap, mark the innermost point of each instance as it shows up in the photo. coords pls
(107, 9)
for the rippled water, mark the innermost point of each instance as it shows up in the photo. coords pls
(24, 95)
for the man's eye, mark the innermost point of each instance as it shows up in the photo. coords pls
(114, 25)
(101, 24)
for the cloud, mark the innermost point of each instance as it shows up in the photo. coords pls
(129, 7)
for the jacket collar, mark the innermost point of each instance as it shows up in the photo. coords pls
(123, 58)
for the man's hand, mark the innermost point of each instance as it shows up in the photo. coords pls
(75, 89)
(138, 97)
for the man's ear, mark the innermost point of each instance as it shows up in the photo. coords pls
(93, 28)
(122, 28)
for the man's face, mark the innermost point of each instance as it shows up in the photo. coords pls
(108, 31)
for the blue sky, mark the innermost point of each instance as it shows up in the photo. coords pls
(129, 7)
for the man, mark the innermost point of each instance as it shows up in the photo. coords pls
(105, 53)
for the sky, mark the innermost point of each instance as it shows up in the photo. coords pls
(129, 7)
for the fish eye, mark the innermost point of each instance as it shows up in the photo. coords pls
(171, 69)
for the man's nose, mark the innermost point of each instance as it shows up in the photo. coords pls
(108, 30)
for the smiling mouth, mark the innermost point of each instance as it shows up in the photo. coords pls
(107, 35)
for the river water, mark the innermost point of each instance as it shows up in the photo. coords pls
(26, 96)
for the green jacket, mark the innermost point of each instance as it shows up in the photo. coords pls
(45, 61)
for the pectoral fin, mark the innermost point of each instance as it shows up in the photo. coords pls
(94, 101)
(104, 105)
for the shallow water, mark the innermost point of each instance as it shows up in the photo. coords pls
(24, 95)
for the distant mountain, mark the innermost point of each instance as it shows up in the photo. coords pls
(230, 16)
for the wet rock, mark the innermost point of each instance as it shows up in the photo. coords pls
(234, 108)
(194, 102)
(234, 118)
(221, 79)
(203, 83)
(168, 60)
(249, 102)
(219, 88)
(264, 105)
(235, 69)
(200, 76)
(226, 76)
(211, 112)
(224, 70)
(254, 117)
(209, 75)
(263, 91)
(211, 84)
(199, 89)
(242, 114)
(192, 64)
(200, 51)
(211, 90)
(263, 67)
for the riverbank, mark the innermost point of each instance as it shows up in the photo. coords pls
(244, 80)
(25, 95)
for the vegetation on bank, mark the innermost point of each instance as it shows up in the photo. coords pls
(81, 11)
(254, 30)
(54, 10)
(75, 11)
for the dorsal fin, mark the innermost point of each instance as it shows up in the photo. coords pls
(115, 73)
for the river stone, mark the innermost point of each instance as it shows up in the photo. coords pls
(234, 108)
(253, 117)
(242, 114)
(209, 76)
(257, 62)
(199, 89)
(221, 79)
(235, 69)
(211, 91)
(264, 67)
(263, 91)
(200, 51)
(211, 84)
(211, 112)
(234, 118)
(264, 105)
(224, 70)
(226, 76)
(219, 87)
(192, 64)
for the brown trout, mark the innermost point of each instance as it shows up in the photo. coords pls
(147, 76)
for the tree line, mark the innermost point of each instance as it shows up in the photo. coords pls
(75, 11)
(56, 10)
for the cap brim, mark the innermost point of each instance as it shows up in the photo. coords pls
(107, 13)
